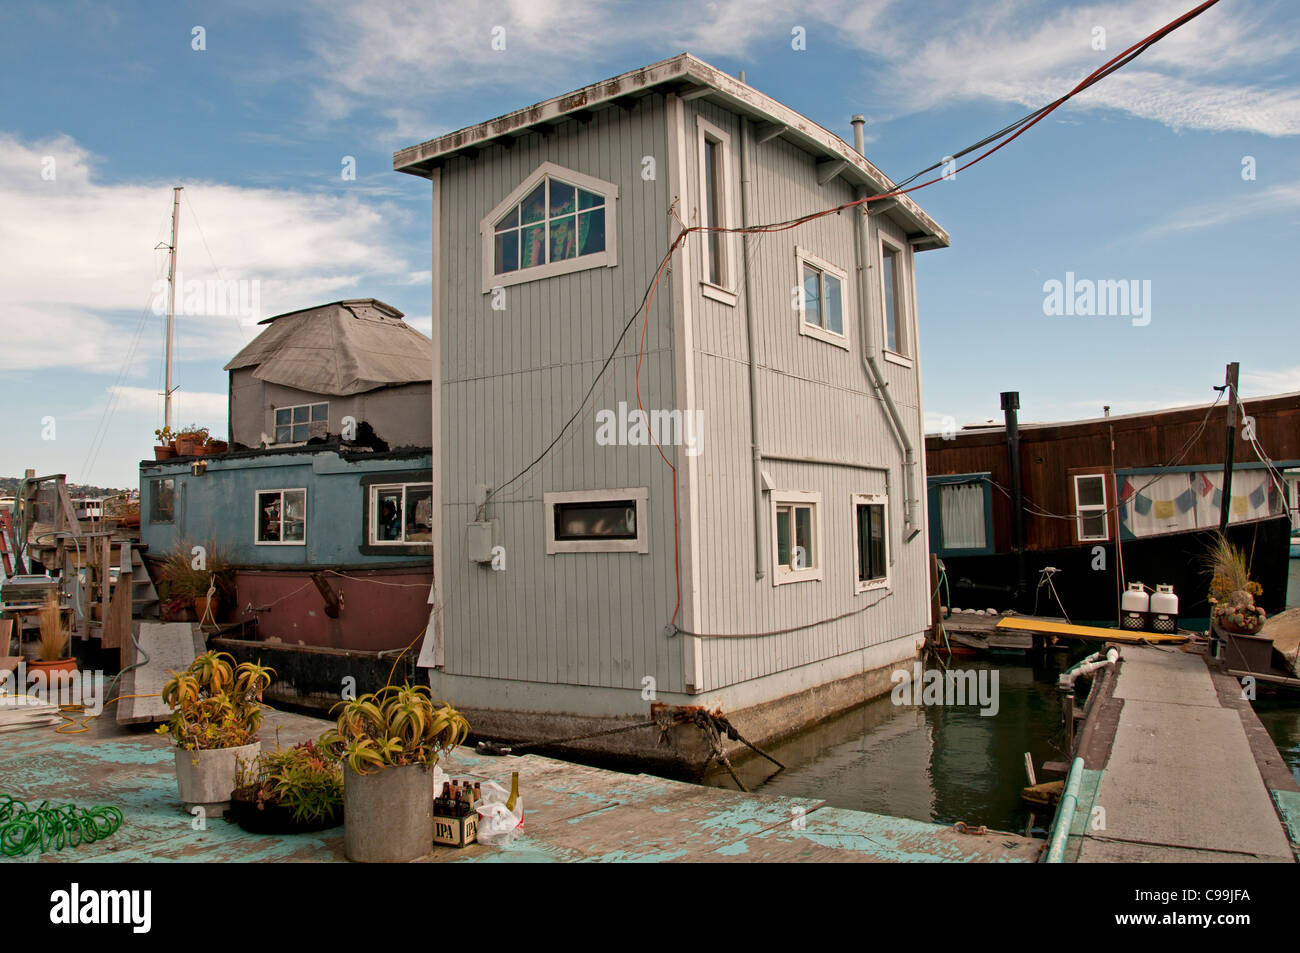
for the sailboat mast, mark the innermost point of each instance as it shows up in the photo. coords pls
(171, 305)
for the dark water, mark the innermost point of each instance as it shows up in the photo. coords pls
(930, 763)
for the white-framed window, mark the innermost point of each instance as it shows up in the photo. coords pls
(715, 211)
(796, 536)
(597, 521)
(555, 222)
(871, 538)
(401, 514)
(1091, 522)
(894, 297)
(298, 423)
(280, 517)
(821, 299)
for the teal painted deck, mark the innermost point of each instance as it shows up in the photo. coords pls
(573, 813)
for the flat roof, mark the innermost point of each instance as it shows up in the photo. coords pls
(692, 78)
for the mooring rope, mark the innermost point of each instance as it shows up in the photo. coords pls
(24, 830)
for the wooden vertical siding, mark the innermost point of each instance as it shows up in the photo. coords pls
(1050, 451)
(815, 401)
(509, 381)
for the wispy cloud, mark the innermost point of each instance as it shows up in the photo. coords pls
(1204, 76)
(1249, 202)
(82, 264)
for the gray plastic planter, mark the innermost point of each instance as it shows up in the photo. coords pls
(388, 814)
(206, 778)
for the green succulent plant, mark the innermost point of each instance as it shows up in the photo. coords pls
(398, 725)
(215, 703)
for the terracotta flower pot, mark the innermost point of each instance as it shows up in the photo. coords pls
(217, 446)
(57, 672)
(164, 453)
(201, 605)
(186, 444)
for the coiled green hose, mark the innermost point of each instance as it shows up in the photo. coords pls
(24, 830)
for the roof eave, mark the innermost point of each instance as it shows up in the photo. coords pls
(684, 74)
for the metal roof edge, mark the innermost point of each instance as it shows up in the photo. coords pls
(682, 72)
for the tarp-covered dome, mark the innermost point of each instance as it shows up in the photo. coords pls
(347, 347)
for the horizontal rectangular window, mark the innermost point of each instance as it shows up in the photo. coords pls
(596, 521)
(300, 422)
(281, 517)
(401, 514)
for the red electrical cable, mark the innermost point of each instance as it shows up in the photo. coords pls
(1020, 128)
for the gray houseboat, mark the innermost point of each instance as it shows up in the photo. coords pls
(733, 514)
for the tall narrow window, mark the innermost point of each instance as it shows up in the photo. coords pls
(713, 190)
(891, 281)
(1090, 507)
(713, 212)
(870, 558)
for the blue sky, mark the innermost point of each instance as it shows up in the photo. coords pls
(1140, 179)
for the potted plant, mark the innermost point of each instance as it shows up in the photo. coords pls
(389, 742)
(190, 440)
(1232, 591)
(52, 650)
(216, 446)
(216, 711)
(289, 791)
(188, 585)
(166, 448)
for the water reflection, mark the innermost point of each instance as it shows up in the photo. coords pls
(931, 763)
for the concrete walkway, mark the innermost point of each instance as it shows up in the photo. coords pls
(573, 813)
(1183, 779)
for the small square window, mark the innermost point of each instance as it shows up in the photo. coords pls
(821, 299)
(796, 536)
(281, 517)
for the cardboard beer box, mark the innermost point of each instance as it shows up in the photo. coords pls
(455, 831)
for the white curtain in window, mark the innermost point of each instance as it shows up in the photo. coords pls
(961, 509)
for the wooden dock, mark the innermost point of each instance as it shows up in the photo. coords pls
(572, 812)
(1177, 767)
(1022, 632)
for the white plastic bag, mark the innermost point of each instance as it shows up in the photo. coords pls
(498, 826)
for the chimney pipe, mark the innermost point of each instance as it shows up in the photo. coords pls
(1011, 404)
(859, 141)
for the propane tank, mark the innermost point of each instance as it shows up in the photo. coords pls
(1164, 611)
(1134, 605)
